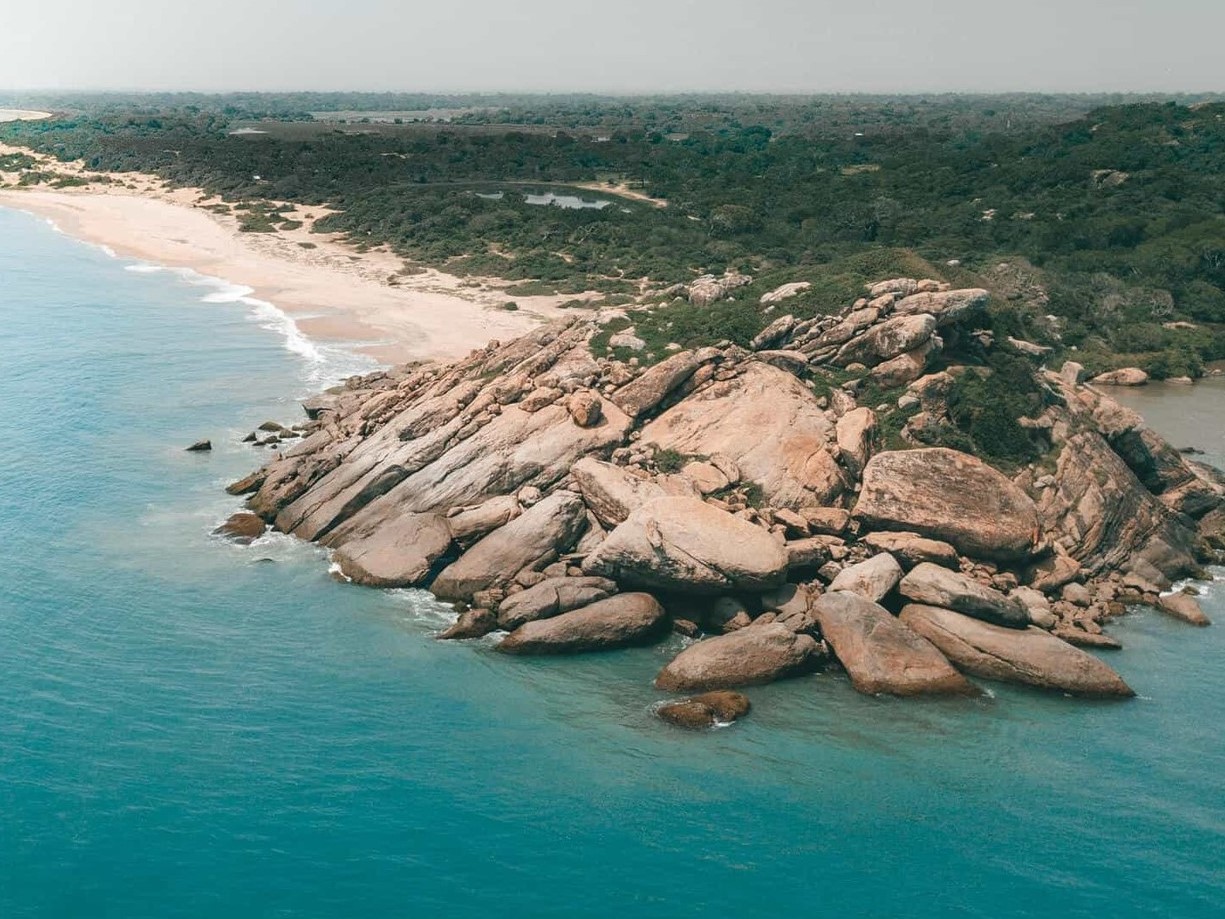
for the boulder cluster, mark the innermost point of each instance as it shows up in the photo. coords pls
(743, 498)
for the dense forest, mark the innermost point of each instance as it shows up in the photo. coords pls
(1106, 216)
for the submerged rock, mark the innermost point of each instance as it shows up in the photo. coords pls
(705, 710)
(200, 446)
(1029, 656)
(242, 528)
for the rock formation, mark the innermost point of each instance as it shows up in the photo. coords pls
(745, 498)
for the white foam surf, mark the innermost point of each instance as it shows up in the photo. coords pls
(325, 364)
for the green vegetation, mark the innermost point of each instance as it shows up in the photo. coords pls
(1106, 213)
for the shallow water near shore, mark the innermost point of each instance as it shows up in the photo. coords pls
(193, 729)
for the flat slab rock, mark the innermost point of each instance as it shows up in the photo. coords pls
(621, 621)
(753, 655)
(880, 653)
(1031, 656)
(552, 597)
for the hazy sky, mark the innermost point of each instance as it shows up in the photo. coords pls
(616, 45)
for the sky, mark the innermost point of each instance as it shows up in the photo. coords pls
(620, 46)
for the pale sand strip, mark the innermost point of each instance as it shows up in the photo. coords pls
(331, 291)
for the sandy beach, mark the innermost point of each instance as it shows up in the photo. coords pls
(333, 293)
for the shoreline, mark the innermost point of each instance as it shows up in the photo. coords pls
(333, 293)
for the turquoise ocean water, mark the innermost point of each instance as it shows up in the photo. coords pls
(189, 731)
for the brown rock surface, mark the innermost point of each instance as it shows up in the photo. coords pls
(705, 710)
(935, 586)
(746, 657)
(1030, 656)
(951, 496)
(769, 424)
(400, 553)
(880, 653)
(872, 579)
(620, 621)
(243, 528)
(551, 597)
(685, 544)
(537, 535)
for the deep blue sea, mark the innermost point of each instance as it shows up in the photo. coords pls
(194, 730)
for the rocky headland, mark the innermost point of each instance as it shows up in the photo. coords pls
(799, 504)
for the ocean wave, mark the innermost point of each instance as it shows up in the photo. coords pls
(325, 364)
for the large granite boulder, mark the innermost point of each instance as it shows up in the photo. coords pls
(537, 536)
(752, 655)
(685, 544)
(552, 597)
(643, 395)
(1030, 656)
(769, 424)
(613, 492)
(886, 340)
(880, 653)
(937, 586)
(947, 306)
(950, 496)
(911, 549)
(621, 621)
(400, 553)
(873, 579)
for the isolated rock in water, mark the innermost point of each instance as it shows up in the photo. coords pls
(706, 710)
(951, 496)
(1030, 656)
(936, 586)
(200, 446)
(543, 530)
(880, 653)
(784, 292)
(472, 623)
(551, 597)
(746, 657)
(616, 622)
(766, 422)
(613, 493)
(1127, 376)
(400, 553)
(911, 549)
(242, 528)
(886, 340)
(946, 306)
(688, 545)
(872, 579)
(1185, 607)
